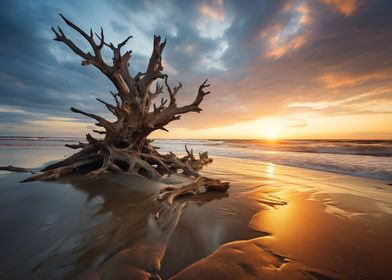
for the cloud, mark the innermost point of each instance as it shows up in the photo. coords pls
(346, 7)
(310, 105)
(299, 125)
(336, 80)
(279, 50)
(286, 37)
(11, 109)
(214, 11)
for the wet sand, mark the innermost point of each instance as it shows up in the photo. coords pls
(276, 222)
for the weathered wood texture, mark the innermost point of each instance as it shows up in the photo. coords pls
(124, 146)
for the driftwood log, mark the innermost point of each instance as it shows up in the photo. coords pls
(139, 109)
(15, 169)
(170, 193)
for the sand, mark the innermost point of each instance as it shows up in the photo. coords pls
(276, 222)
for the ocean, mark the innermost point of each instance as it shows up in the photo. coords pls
(364, 158)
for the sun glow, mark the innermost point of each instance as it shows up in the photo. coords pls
(270, 133)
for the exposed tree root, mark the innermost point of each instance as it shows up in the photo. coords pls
(15, 169)
(209, 184)
(96, 159)
(56, 173)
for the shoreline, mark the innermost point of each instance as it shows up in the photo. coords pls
(37, 157)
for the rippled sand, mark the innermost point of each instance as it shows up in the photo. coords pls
(275, 222)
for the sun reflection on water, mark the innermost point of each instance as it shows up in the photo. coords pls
(270, 168)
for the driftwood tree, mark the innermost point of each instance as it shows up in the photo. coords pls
(125, 147)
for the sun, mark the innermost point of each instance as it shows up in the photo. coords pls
(270, 134)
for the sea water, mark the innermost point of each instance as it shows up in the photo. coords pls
(365, 158)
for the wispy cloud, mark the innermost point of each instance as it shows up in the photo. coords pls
(346, 7)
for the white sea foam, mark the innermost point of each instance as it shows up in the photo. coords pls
(366, 158)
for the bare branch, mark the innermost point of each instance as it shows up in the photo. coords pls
(96, 60)
(118, 102)
(101, 38)
(154, 67)
(177, 88)
(91, 139)
(122, 44)
(161, 106)
(62, 38)
(138, 75)
(76, 146)
(118, 73)
(169, 89)
(15, 169)
(190, 153)
(75, 27)
(194, 107)
(162, 117)
(158, 91)
(101, 121)
(172, 92)
(110, 107)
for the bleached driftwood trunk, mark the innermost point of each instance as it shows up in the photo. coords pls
(124, 146)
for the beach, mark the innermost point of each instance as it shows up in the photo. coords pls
(299, 220)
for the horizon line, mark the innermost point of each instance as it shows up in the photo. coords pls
(264, 139)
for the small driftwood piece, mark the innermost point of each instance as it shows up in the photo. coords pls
(15, 169)
(209, 184)
(194, 163)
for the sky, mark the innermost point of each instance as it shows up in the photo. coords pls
(290, 69)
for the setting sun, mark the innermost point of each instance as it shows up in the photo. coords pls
(270, 133)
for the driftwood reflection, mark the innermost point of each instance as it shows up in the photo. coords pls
(124, 226)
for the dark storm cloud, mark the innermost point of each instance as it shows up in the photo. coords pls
(261, 56)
